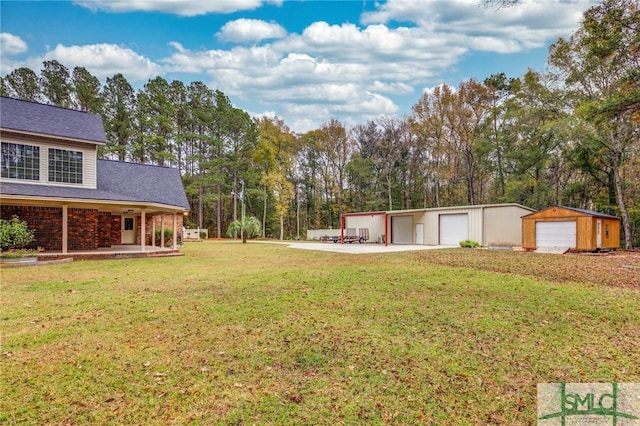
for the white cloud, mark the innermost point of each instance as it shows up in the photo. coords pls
(397, 88)
(349, 71)
(175, 7)
(530, 24)
(104, 60)
(250, 30)
(11, 44)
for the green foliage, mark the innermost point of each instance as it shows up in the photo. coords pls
(469, 244)
(168, 236)
(249, 228)
(15, 234)
(567, 137)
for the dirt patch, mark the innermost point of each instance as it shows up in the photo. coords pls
(615, 269)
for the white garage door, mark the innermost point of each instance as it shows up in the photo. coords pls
(556, 234)
(402, 230)
(453, 229)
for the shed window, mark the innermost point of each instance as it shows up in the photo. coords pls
(20, 161)
(606, 230)
(65, 166)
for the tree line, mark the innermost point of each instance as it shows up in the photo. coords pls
(568, 136)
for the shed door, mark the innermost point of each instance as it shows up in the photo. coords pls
(556, 234)
(402, 230)
(453, 229)
(420, 233)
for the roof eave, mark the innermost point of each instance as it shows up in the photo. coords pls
(50, 136)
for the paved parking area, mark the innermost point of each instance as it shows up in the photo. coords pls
(362, 248)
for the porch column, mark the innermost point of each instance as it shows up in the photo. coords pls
(162, 230)
(153, 231)
(143, 229)
(65, 228)
(175, 231)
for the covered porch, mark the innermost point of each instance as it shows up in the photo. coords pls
(84, 228)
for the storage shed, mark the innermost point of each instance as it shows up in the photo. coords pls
(559, 226)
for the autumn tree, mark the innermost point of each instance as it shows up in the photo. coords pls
(599, 66)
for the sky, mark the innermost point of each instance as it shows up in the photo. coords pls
(305, 62)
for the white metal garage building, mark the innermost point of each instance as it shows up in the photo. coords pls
(488, 225)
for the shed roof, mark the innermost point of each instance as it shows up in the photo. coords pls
(580, 211)
(116, 181)
(49, 120)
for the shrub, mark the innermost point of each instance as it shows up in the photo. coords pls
(203, 235)
(168, 236)
(469, 244)
(15, 234)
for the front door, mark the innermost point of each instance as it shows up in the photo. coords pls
(128, 229)
(599, 234)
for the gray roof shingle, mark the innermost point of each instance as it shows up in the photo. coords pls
(117, 181)
(25, 116)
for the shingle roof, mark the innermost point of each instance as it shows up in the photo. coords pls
(43, 119)
(117, 181)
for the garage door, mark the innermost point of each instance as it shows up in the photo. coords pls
(556, 234)
(453, 229)
(402, 230)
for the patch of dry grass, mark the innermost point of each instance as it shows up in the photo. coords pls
(616, 269)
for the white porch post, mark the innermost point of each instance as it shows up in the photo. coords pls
(143, 229)
(65, 228)
(175, 231)
(162, 230)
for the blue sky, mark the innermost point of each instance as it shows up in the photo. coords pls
(303, 61)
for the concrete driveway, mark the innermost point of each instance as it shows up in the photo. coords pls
(362, 248)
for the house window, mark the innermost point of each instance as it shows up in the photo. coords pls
(20, 161)
(65, 166)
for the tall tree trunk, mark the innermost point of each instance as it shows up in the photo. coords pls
(264, 214)
(389, 194)
(297, 214)
(219, 211)
(281, 227)
(621, 205)
(200, 209)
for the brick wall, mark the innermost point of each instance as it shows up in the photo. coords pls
(82, 229)
(104, 229)
(47, 221)
(116, 230)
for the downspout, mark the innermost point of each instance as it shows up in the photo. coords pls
(342, 228)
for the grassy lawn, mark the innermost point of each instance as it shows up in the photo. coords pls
(263, 334)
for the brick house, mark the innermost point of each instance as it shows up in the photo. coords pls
(51, 178)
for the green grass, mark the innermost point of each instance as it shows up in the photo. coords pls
(263, 334)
